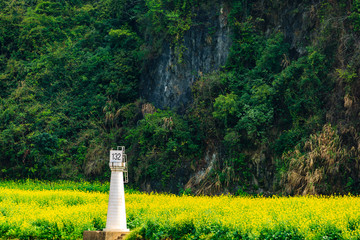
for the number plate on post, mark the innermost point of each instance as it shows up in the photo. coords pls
(116, 155)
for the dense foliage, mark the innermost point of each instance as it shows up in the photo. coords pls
(61, 63)
(70, 73)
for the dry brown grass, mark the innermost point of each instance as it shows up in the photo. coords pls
(320, 167)
(147, 108)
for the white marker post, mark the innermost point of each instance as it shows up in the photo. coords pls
(116, 215)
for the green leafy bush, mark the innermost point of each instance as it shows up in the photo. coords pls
(163, 149)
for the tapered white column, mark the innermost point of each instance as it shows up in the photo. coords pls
(116, 215)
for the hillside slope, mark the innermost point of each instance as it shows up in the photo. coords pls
(208, 97)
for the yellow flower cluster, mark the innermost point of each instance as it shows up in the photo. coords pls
(49, 214)
(65, 214)
(309, 217)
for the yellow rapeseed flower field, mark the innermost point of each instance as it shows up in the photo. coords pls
(65, 214)
(336, 217)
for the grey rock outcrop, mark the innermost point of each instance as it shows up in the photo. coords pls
(165, 82)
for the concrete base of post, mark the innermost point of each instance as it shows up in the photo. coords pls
(104, 235)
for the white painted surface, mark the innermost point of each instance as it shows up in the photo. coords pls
(116, 214)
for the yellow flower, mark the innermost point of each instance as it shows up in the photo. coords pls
(66, 214)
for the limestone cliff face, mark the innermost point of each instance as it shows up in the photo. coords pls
(167, 83)
(296, 19)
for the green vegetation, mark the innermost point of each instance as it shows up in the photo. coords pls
(162, 146)
(40, 185)
(62, 62)
(69, 79)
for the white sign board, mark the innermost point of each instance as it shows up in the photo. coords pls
(116, 155)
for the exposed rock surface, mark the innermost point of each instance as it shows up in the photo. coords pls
(166, 82)
(296, 19)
